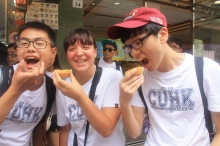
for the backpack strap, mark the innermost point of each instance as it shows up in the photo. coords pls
(51, 95)
(92, 91)
(142, 98)
(117, 66)
(199, 64)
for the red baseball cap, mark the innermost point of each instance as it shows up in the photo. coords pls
(136, 18)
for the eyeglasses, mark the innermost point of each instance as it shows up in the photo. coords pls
(109, 49)
(12, 55)
(136, 44)
(38, 44)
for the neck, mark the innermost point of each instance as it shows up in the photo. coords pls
(37, 84)
(108, 60)
(85, 76)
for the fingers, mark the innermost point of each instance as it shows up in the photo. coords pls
(20, 66)
(72, 78)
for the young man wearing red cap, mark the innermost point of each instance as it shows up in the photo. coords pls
(109, 50)
(169, 85)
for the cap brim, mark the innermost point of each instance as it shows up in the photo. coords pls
(113, 32)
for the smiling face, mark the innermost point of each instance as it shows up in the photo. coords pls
(151, 54)
(32, 56)
(81, 57)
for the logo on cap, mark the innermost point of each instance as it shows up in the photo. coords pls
(156, 19)
(131, 15)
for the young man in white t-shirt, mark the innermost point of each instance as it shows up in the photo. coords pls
(169, 85)
(109, 50)
(23, 105)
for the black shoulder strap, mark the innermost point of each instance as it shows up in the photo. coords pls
(92, 91)
(51, 95)
(6, 73)
(142, 98)
(199, 64)
(117, 66)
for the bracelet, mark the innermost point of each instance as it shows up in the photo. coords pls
(82, 100)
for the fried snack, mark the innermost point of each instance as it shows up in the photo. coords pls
(138, 72)
(63, 73)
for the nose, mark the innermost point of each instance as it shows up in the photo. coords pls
(31, 47)
(79, 51)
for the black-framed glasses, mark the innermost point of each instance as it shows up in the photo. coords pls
(38, 44)
(12, 55)
(137, 44)
(109, 49)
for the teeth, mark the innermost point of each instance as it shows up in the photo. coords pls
(80, 61)
(31, 58)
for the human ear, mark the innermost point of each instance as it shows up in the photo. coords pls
(163, 35)
(54, 52)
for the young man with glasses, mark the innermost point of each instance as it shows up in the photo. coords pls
(169, 84)
(109, 50)
(24, 104)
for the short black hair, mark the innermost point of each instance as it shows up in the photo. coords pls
(56, 63)
(3, 54)
(11, 45)
(79, 34)
(152, 28)
(39, 26)
(176, 41)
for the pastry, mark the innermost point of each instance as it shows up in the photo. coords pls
(138, 72)
(63, 73)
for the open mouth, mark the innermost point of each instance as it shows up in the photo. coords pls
(31, 61)
(144, 61)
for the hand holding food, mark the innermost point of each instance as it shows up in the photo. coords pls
(138, 72)
(63, 73)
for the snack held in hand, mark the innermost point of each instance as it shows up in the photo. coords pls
(138, 72)
(63, 73)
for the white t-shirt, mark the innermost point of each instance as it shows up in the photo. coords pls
(175, 104)
(107, 95)
(102, 63)
(26, 113)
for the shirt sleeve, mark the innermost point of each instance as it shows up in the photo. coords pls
(62, 120)
(112, 94)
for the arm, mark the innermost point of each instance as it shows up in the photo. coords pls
(132, 116)
(216, 119)
(64, 132)
(21, 81)
(104, 120)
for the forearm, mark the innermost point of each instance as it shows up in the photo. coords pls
(130, 121)
(63, 137)
(99, 120)
(7, 101)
